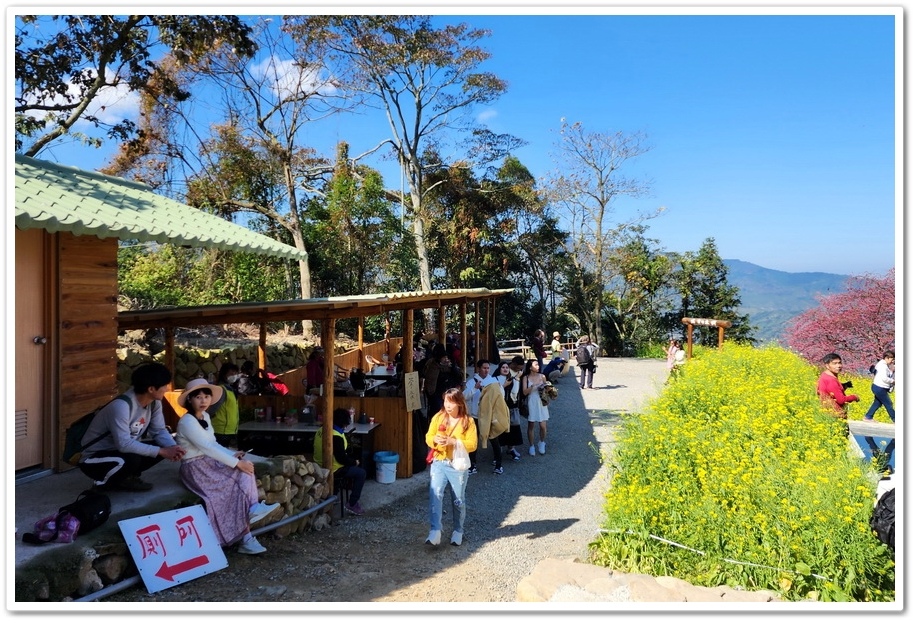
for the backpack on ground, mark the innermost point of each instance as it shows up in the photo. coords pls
(583, 356)
(89, 511)
(882, 519)
(73, 438)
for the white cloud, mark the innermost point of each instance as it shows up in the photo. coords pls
(288, 77)
(486, 115)
(111, 104)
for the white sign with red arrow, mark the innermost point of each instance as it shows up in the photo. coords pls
(172, 547)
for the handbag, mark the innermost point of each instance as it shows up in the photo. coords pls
(514, 419)
(91, 508)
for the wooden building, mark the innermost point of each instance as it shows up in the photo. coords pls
(68, 224)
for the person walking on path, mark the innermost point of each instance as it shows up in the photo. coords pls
(673, 345)
(537, 346)
(508, 375)
(472, 392)
(881, 386)
(585, 359)
(556, 348)
(222, 478)
(532, 383)
(449, 427)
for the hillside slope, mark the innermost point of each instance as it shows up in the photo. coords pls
(773, 297)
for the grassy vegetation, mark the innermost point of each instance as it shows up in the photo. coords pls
(735, 475)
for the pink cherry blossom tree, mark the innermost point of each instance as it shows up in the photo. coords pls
(857, 324)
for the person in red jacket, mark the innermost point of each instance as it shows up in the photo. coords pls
(831, 392)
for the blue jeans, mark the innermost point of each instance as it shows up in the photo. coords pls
(441, 473)
(882, 398)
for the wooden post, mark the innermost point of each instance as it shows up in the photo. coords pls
(359, 344)
(441, 324)
(327, 418)
(407, 325)
(704, 322)
(477, 349)
(170, 353)
(262, 346)
(463, 310)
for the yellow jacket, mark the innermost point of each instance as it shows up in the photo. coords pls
(444, 452)
(493, 414)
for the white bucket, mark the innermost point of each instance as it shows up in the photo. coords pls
(385, 472)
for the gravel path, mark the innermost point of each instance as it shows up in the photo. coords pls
(541, 507)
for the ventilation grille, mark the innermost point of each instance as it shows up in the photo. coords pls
(22, 424)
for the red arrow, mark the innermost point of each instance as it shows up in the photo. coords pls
(168, 572)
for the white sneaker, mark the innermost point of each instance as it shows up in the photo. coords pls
(434, 537)
(260, 511)
(531, 450)
(542, 447)
(456, 538)
(251, 547)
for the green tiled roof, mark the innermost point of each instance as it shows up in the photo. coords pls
(60, 198)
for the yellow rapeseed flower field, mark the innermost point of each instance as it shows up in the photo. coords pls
(736, 475)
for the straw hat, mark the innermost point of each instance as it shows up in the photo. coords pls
(216, 390)
(556, 334)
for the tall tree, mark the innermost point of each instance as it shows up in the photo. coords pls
(254, 160)
(425, 79)
(701, 282)
(586, 187)
(357, 237)
(857, 323)
(65, 64)
(639, 294)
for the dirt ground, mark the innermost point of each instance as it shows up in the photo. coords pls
(518, 519)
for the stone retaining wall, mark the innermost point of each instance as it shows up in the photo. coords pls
(191, 362)
(101, 558)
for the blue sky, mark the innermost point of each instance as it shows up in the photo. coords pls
(773, 134)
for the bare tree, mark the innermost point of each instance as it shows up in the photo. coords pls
(254, 159)
(426, 80)
(585, 189)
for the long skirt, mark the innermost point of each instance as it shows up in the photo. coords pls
(227, 493)
(513, 436)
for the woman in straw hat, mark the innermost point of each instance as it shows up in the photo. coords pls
(221, 477)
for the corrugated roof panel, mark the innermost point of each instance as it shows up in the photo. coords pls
(59, 198)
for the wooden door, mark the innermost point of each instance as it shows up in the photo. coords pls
(31, 348)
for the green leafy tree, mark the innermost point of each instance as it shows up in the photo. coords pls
(701, 283)
(357, 236)
(67, 64)
(638, 296)
(425, 79)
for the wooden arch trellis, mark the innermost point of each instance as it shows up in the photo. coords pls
(722, 325)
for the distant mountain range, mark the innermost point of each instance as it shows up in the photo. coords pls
(771, 298)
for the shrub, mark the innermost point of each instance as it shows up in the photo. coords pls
(738, 464)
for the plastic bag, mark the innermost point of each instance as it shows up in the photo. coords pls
(461, 460)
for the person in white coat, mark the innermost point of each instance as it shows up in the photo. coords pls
(472, 389)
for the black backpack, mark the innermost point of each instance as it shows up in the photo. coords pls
(882, 519)
(73, 438)
(583, 357)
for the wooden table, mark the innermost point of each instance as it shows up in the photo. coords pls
(271, 438)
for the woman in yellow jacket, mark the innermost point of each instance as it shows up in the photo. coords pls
(448, 427)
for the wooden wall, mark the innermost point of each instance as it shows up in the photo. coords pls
(87, 322)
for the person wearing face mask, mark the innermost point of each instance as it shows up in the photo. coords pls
(225, 418)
